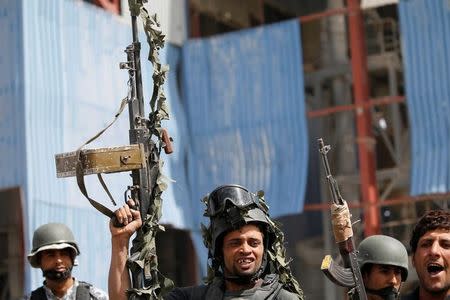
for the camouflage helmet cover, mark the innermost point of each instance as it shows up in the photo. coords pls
(52, 236)
(383, 250)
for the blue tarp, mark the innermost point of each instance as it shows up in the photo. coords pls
(12, 117)
(244, 98)
(425, 30)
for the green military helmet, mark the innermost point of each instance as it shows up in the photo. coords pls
(384, 250)
(52, 236)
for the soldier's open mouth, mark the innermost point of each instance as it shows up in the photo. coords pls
(245, 261)
(434, 268)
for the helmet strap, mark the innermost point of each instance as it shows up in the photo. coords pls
(56, 275)
(387, 293)
(241, 280)
(235, 218)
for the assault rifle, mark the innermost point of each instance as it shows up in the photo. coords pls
(141, 157)
(348, 276)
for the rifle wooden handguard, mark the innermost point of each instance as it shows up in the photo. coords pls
(101, 160)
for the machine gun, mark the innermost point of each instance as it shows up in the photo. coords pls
(141, 157)
(348, 276)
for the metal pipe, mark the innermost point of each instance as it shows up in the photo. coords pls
(365, 141)
(321, 15)
(194, 18)
(355, 107)
(401, 200)
(395, 114)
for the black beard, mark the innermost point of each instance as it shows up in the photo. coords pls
(244, 279)
(57, 275)
(387, 293)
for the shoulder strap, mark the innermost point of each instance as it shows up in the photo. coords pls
(213, 290)
(199, 292)
(38, 294)
(188, 293)
(273, 293)
(83, 291)
(270, 288)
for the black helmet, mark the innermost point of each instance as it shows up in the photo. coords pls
(232, 194)
(383, 250)
(52, 236)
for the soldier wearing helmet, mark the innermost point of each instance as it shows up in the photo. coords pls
(384, 266)
(245, 251)
(54, 252)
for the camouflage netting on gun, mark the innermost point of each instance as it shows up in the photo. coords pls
(144, 258)
(276, 254)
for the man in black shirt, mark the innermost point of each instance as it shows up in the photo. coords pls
(245, 250)
(430, 246)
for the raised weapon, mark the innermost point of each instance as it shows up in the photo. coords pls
(348, 276)
(141, 157)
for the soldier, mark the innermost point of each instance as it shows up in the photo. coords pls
(54, 252)
(430, 246)
(384, 266)
(245, 250)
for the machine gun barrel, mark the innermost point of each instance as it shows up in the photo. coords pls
(332, 183)
(350, 275)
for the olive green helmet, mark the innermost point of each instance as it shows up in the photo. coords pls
(383, 250)
(52, 236)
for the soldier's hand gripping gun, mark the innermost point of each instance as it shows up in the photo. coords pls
(348, 276)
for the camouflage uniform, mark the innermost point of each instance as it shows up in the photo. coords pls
(270, 289)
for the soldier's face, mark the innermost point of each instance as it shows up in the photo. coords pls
(57, 260)
(432, 261)
(380, 277)
(243, 250)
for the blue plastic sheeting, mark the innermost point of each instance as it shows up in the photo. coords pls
(176, 199)
(245, 109)
(12, 132)
(425, 28)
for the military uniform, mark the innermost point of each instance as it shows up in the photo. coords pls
(79, 291)
(269, 289)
